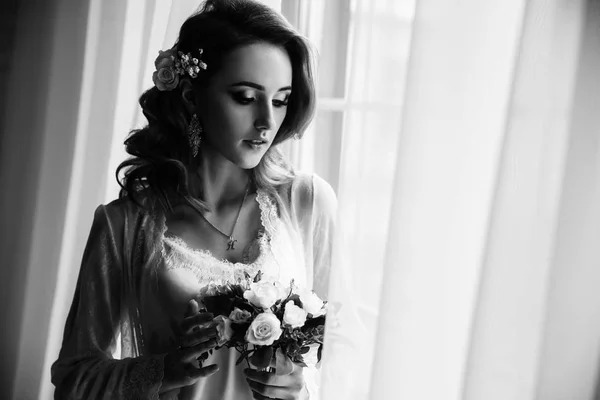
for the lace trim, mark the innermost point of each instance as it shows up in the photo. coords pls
(268, 213)
(181, 246)
(145, 379)
(206, 267)
(271, 221)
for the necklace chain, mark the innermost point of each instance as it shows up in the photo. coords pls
(231, 241)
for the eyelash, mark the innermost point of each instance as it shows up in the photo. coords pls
(280, 103)
(247, 100)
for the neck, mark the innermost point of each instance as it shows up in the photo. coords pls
(221, 182)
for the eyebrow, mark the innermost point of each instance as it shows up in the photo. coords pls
(257, 86)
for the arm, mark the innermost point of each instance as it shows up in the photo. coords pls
(85, 368)
(313, 210)
(323, 219)
(333, 281)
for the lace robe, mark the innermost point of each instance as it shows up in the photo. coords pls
(135, 282)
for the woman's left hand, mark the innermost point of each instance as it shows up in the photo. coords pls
(268, 385)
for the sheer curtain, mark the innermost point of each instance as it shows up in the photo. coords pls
(363, 49)
(462, 139)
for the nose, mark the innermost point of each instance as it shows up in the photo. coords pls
(265, 120)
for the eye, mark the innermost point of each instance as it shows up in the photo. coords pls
(243, 98)
(281, 103)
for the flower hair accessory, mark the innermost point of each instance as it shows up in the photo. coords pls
(170, 64)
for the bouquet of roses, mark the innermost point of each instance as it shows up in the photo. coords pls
(266, 321)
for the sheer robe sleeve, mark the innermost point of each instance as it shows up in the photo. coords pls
(85, 368)
(333, 281)
(324, 206)
(315, 208)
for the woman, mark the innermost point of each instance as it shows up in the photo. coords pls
(206, 196)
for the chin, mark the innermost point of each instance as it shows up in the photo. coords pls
(249, 163)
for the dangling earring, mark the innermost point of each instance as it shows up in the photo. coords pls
(194, 134)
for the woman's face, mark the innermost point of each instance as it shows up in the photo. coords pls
(246, 101)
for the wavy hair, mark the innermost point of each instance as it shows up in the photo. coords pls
(160, 150)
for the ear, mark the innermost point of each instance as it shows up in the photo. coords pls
(188, 95)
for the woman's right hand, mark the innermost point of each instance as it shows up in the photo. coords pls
(199, 336)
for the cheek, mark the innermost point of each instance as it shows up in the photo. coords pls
(225, 118)
(280, 114)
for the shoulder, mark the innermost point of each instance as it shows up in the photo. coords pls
(311, 192)
(119, 212)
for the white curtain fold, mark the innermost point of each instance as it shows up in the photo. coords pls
(362, 47)
(531, 214)
(491, 264)
(458, 88)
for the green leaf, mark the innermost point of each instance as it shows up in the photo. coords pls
(313, 323)
(242, 304)
(241, 357)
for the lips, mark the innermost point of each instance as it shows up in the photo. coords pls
(256, 141)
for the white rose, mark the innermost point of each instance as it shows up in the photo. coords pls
(262, 294)
(311, 303)
(224, 330)
(264, 330)
(282, 291)
(239, 316)
(294, 315)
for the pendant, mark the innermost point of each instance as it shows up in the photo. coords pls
(231, 243)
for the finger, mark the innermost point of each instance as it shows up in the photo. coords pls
(192, 308)
(189, 323)
(267, 378)
(199, 336)
(192, 353)
(258, 396)
(203, 357)
(196, 373)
